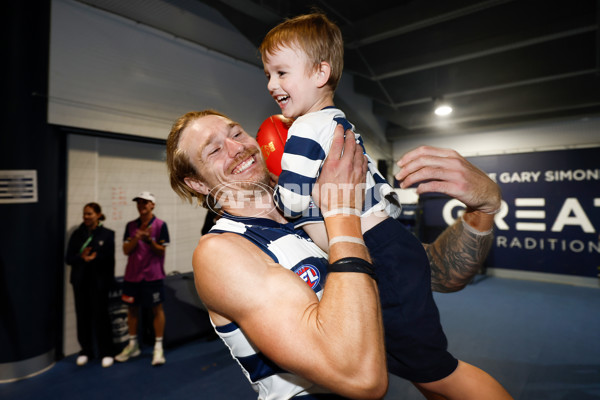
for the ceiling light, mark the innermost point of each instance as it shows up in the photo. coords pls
(442, 109)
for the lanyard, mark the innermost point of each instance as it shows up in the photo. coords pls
(88, 240)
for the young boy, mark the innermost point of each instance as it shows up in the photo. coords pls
(303, 62)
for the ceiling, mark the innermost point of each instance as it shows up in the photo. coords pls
(499, 63)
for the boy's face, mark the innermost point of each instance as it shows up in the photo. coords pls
(294, 84)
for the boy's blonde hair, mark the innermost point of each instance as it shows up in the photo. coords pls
(314, 34)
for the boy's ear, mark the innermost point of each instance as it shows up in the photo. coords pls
(196, 185)
(323, 73)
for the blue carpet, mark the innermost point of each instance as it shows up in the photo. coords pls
(540, 340)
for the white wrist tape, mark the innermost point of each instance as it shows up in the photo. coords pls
(494, 212)
(341, 211)
(475, 231)
(346, 239)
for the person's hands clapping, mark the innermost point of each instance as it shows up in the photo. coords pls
(445, 171)
(341, 182)
(143, 234)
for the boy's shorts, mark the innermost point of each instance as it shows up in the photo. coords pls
(144, 293)
(416, 345)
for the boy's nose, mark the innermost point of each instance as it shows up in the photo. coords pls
(272, 85)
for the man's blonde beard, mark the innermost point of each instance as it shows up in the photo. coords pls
(235, 188)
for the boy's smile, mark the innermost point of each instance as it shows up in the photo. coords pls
(294, 83)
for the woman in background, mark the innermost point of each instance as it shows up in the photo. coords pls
(91, 254)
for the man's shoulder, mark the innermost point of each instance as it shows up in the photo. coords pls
(225, 249)
(220, 241)
(133, 221)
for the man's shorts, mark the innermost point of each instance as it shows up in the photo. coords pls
(416, 345)
(144, 293)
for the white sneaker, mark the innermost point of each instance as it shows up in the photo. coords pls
(82, 360)
(107, 362)
(158, 357)
(128, 352)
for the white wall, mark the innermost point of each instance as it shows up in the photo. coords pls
(109, 73)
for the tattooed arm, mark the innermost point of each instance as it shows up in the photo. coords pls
(458, 253)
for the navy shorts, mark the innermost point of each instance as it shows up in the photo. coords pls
(144, 293)
(416, 345)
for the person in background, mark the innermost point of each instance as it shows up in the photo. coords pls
(144, 243)
(91, 254)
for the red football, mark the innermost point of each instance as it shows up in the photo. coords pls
(271, 138)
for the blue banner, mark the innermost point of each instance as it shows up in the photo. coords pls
(550, 216)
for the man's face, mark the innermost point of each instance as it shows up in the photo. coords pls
(223, 154)
(144, 207)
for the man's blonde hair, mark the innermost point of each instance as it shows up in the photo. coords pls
(314, 34)
(179, 163)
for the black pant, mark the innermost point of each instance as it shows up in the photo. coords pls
(93, 321)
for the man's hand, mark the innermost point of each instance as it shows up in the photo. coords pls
(445, 171)
(341, 182)
(458, 253)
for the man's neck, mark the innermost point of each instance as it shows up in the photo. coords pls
(145, 218)
(263, 207)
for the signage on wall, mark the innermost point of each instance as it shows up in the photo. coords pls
(550, 216)
(18, 186)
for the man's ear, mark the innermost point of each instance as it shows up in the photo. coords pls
(323, 73)
(196, 185)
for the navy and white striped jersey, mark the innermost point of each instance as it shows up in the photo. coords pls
(308, 143)
(293, 250)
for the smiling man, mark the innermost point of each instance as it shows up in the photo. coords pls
(292, 340)
(301, 325)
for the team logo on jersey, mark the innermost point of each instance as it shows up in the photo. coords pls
(309, 274)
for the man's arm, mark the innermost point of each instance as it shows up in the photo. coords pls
(458, 253)
(336, 343)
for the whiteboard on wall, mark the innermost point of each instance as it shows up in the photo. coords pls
(111, 172)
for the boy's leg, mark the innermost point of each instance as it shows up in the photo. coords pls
(467, 382)
(415, 342)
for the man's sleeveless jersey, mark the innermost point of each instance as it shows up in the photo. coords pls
(293, 250)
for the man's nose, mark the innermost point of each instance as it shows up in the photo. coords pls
(233, 147)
